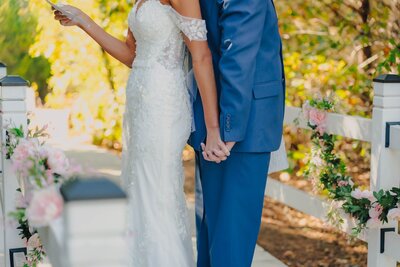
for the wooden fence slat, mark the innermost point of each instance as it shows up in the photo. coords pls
(344, 125)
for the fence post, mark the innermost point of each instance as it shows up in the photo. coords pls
(385, 162)
(13, 110)
(94, 224)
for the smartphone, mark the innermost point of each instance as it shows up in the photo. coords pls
(60, 8)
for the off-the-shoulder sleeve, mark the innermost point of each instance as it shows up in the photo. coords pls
(194, 29)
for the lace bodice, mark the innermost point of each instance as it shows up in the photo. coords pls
(158, 30)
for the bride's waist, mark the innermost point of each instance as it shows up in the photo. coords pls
(149, 63)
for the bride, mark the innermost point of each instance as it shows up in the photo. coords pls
(157, 120)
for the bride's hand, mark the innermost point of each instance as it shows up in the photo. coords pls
(214, 149)
(71, 16)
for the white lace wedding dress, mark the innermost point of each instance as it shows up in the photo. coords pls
(157, 124)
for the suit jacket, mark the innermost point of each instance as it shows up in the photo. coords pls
(244, 39)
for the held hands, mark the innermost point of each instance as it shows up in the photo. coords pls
(215, 149)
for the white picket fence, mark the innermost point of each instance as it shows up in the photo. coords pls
(79, 239)
(383, 131)
(92, 229)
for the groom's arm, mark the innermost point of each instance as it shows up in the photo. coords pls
(242, 24)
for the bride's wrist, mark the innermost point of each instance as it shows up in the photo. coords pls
(84, 21)
(213, 130)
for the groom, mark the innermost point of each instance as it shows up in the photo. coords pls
(247, 55)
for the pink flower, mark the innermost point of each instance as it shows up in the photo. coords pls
(358, 194)
(46, 205)
(375, 211)
(34, 241)
(374, 223)
(24, 155)
(343, 183)
(394, 214)
(56, 160)
(317, 117)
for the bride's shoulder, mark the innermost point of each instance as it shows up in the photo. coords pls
(187, 16)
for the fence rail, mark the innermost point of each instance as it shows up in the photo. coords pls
(353, 127)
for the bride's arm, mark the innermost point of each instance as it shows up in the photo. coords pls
(204, 74)
(124, 51)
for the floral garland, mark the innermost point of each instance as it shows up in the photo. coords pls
(328, 173)
(42, 169)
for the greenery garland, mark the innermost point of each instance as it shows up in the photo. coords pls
(328, 173)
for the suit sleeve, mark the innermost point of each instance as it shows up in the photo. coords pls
(242, 24)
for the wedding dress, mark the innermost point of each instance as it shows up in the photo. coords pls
(157, 124)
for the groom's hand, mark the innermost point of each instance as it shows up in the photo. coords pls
(230, 145)
(217, 155)
(215, 149)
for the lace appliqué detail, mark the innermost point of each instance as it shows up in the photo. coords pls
(194, 29)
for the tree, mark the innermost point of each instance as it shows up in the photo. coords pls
(18, 31)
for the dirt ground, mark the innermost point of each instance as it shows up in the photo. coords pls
(298, 239)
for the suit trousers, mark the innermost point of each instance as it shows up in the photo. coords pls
(229, 218)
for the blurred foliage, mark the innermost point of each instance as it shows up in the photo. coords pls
(17, 34)
(84, 77)
(330, 46)
(337, 47)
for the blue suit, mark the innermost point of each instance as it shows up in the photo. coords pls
(247, 54)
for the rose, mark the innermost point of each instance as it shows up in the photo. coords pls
(343, 183)
(358, 194)
(375, 211)
(317, 117)
(24, 155)
(46, 205)
(57, 162)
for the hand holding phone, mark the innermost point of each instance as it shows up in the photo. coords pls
(72, 15)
